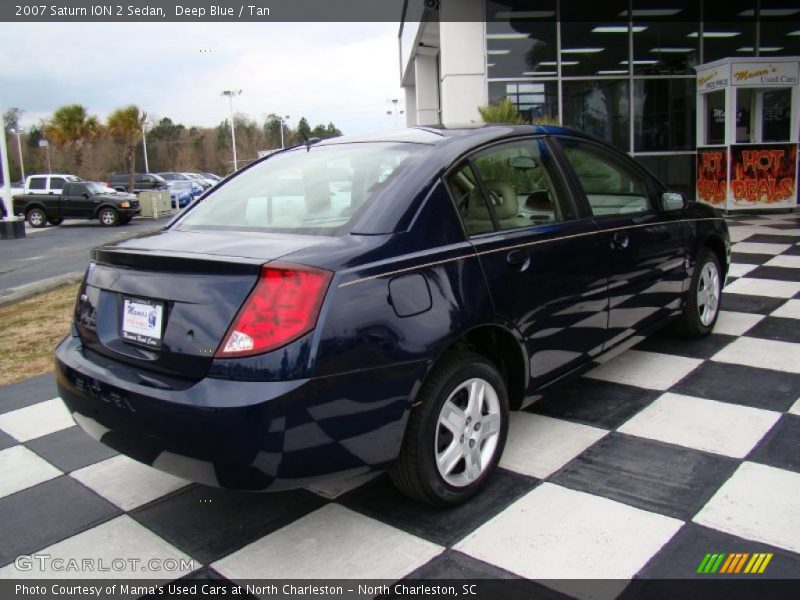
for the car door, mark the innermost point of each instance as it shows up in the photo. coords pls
(645, 248)
(542, 261)
(56, 185)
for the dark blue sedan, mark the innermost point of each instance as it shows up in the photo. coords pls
(379, 302)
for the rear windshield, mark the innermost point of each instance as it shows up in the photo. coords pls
(316, 191)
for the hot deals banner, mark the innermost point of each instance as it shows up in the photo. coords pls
(764, 173)
(712, 175)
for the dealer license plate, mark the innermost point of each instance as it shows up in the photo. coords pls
(142, 321)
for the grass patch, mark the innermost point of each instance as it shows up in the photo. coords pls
(30, 331)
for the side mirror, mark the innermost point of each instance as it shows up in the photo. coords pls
(672, 201)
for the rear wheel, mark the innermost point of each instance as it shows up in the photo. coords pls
(36, 217)
(108, 217)
(702, 304)
(455, 434)
(56, 221)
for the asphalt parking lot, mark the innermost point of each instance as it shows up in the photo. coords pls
(667, 452)
(52, 252)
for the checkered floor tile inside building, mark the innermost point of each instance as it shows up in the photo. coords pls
(670, 450)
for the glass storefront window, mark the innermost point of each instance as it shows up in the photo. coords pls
(537, 101)
(661, 45)
(664, 113)
(521, 42)
(599, 108)
(594, 41)
(678, 171)
(729, 29)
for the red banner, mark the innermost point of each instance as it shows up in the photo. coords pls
(712, 175)
(764, 173)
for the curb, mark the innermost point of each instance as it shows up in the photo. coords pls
(39, 287)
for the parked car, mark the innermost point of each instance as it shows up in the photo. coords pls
(180, 192)
(184, 179)
(77, 200)
(143, 182)
(212, 177)
(206, 183)
(382, 301)
(47, 184)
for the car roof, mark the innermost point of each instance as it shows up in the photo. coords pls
(434, 135)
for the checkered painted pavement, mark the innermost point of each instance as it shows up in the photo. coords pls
(670, 450)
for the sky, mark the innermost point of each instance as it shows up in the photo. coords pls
(340, 72)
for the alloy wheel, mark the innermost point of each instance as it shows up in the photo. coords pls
(708, 289)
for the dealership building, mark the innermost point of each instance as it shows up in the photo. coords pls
(658, 79)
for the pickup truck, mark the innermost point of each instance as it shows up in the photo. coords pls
(78, 200)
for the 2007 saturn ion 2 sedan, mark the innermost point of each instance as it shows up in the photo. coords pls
(382, 301)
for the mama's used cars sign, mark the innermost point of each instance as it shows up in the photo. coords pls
(714, 78)
(779, 73)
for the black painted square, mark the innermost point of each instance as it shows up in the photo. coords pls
(209, 523)
(680, 557)
(28, 392)
(794, 250)
(593, 402)
(668, 342)
(781, 446)
(761, 305)
(70, 449)
(778, 273)
(48, 513)
(6, 441)
(777, 328)
(454, 568)
(748, 386)
(746, 258)
(647, 474)
(381, 500)
(765, 238)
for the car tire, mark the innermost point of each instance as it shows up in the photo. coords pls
(455, 434)
(36, 217)
(108, 217)
(56, 221)
(701, 310)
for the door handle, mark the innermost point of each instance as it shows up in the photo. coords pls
(518, 259)
(620, 240)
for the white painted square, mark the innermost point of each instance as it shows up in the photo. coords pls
(740, 269)
(764, 354)
(795, 409)
(330, 543)
(539, 445)
(650, 370)
(121, 538)
(787, 261)
(37, 420)
(737, 234)
(735, 323)
(758, 503)
(759, 248)
(768, 230)
(21, 468)
(789, 310)
(709, 425)
(772, 288)
(555, 533)
(127, 483)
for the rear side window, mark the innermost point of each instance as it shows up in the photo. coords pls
(522, 186)
(612, 187)
(38, 183)
(56, 183)
(318, 190)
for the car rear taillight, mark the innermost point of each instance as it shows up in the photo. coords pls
(282, 307)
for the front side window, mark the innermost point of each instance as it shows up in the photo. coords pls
(611, 186)
(56, 183)
(316, 190)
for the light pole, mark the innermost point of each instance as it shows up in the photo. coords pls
(145, 123)
(46, 145)
(18, 132)
(230, 94)
(283, 122)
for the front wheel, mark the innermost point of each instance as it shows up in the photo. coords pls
(456, 432)
(702, 304)
(36, 218)
(108, 217)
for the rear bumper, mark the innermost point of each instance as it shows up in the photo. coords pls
(241, 435)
